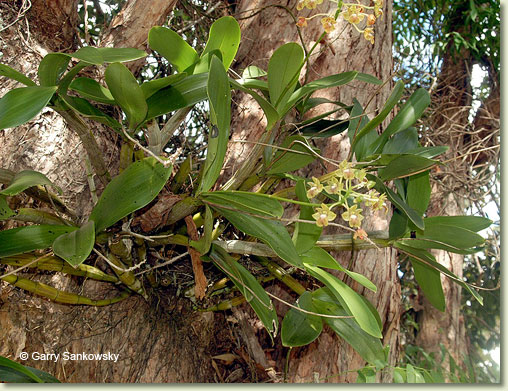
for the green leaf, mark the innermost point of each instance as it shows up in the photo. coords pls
(11, 375)
(253, 72)
(249, 287)
(299, 328)
(324, 128)
(255, 203)
(121, 54)
(271, 114)
(34, 237)
(427, 260)
(428, 152)
(317, 256)
(349, 299)
(405, 165)
(77, 245)
(25, 179)
(471, 223)
(358, 121)
(367, 346)
(151, 87)
(219, 96)
(86, 109)
(393, 99)
(305, 235)
(283, 71)
(429, 280)
(51, 68)
(271, 232)
(203, 64)
(12, 368)
(91, 89)
(398, 224)
(20, 105)
(5, 211)
(406, 117)
(402, 142)
(127, 93)
(394, 198)
(224, 35)
(134, 188)
(319, 84)
(89, 54)
(365, 77)
(15, 75)
(285, 161)
(184, 93)
(418, 192)
(172, 47)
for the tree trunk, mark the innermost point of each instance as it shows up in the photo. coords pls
(342, 50)
(164, 340)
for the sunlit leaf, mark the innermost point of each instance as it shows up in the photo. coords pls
(15, 75)
(224, 35)
(248, 202)
(172, 47)
(91, 89)
(51, 68)
(77, 245)
(25, 179)
(299, 328)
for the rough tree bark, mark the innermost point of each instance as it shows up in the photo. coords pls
(163, 340)
(342, 50)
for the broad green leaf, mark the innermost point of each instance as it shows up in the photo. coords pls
(324, 128)
(172, 47)
(77, 245)
(271, 114)
(283, 71)
(398, 224)
(365, 77)
(127, 93)
(359, 121)
(253, 72)
(418, 192)
(134, 188)
(471, 223)
(299, 328)
(394, 198)
(285, 161)
(219, 97)
(402, 142)
(25, 179)
(447, 237)
(387, 108)
(305, 235)
(15, 75)
(317, 256)
(20, 105)
(406, 117)
(255, 203)
(429, 280)
(89, 54)
(366, 375)
(427, 260)
(307, 89)
(250, 288)
(91, 89)
(428, 152)
(367, 346)
(224, 35)
(271, 232)
(151, 87)
(405, 165)
(254, 83)
(13, 375)
(203, 64)
(12, 368)
(184, 93)
(349, 299)
(5, 211)
(51, 68)
(86, 109)
(121, 54)
(34, 237)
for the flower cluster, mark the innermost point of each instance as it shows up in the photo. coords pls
(352, 13)
(351, 187)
